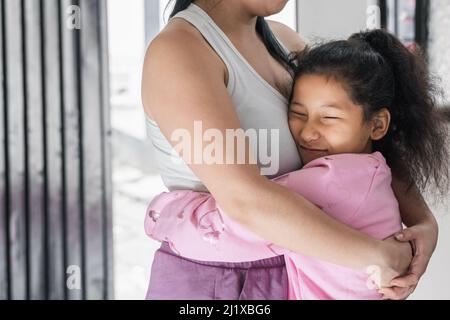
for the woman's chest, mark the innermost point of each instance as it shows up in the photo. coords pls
(270, 71)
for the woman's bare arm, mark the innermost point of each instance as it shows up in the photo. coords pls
(183, 82)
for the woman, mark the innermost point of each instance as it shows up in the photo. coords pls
(218, 62)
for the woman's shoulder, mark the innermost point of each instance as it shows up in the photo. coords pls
(178, 47)
(178, 51)
(289, 37)
(175, 36)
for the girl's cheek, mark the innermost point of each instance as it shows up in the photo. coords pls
(295, 128)
(335, 136)
(343, 140)
(294, 124)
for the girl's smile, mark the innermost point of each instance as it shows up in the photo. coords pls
(311, 153)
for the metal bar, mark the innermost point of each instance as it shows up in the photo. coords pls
(384, 13)
(4, 270)
(107, 152)
(54, 150)
(71, 114)
(16, 151)
(35, 150)
(92, 150)
(422, 17)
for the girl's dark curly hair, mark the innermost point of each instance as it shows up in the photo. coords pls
(380, 72)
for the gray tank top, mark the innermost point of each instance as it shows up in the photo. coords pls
(258, 105)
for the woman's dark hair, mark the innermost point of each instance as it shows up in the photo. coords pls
(262, 27)
(379, 72)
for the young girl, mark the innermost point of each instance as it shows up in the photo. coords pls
(358, 108)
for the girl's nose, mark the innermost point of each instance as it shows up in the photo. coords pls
(309, 133)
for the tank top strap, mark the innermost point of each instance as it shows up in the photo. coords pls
(216, 38)
(236, 64)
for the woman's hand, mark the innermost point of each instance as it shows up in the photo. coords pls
(423, 237)
(398, 257)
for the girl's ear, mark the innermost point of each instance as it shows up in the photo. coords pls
(380, 124)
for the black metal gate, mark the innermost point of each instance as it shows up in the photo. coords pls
(55, 188)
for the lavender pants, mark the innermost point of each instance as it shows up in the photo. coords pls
(176, 278)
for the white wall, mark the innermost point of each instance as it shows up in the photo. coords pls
(439, 45)
(331, 19)
(436, 282)
(288, 16)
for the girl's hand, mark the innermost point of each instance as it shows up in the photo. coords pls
(424, 240)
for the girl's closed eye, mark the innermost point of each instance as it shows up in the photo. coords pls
(331, 117)
(332, 112)
(299, 114)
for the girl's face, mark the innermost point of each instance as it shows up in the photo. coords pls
(325, 121)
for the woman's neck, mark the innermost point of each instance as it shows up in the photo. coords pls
(231, 17)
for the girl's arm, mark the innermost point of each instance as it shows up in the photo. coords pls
(422, 231)
(183, 82)
(413, 207)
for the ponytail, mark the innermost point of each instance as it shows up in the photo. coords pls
(418, 140)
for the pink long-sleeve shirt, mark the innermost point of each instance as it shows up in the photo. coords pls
(352, 188)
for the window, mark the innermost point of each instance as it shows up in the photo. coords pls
(408, 20)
